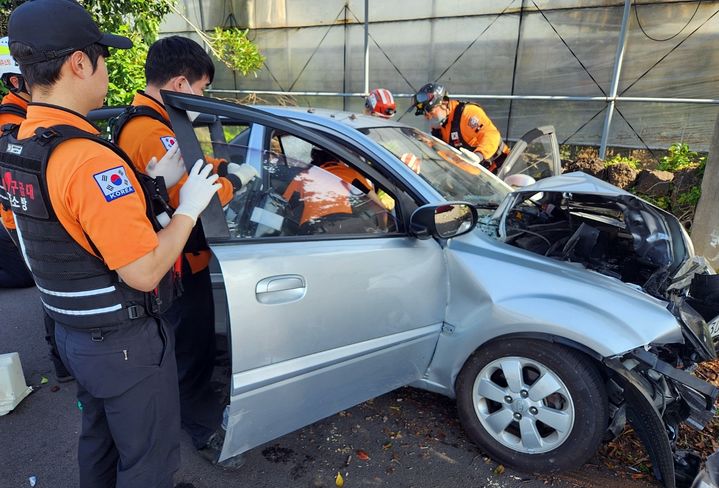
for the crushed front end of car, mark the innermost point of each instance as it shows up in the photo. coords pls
(588, 223)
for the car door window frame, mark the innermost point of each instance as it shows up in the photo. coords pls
(213, 218)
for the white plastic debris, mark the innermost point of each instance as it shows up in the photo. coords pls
(12, 383)
(32, 480)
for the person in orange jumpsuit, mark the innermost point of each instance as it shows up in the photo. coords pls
(144, 131)
(13, 272)
(464, 125)
(101, 261)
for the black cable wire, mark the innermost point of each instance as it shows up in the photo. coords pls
(641, 28)
(583, 126)
(670, 51)
(317, 48)
(570, 49)
(514, 69)
(636, 133)
(474, 41)
(396, 68)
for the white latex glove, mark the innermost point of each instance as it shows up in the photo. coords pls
(171, 167)
(245, 172)
(473, 156)
(197, 191)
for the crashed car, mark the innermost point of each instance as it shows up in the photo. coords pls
(554, 313)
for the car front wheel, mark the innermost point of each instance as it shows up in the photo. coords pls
(532, 405)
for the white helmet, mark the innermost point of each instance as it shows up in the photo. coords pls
(8, 66)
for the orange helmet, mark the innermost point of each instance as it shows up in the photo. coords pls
(380, 102)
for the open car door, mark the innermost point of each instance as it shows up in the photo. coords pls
(324, 313)
(536, 154)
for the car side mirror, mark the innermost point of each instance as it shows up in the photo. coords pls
(443, 221)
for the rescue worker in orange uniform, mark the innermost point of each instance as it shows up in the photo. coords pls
(324, 192)
(144, 131)
(100, 259)
(463, 125)
(13, 271)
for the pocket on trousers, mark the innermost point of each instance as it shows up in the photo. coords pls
(122, 359)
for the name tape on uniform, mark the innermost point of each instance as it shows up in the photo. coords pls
(114, 183)
(168, 142)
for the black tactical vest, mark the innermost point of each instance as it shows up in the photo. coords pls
(197, 241)
(77, 288)
(455, 132)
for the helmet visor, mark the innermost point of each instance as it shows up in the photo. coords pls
(422, 102)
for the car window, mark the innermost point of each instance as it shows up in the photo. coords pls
(312, 194)
(450, 173)
(536, 160)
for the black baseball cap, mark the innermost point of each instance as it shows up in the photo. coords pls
(56, 28)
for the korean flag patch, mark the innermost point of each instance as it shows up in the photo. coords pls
(114, 183)
(168, 142)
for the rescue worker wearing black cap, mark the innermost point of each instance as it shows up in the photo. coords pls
(98, 256)
(464, 125)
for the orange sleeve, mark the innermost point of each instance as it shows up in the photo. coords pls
(479, 131)
(116, 225)
(8, 220)
(144, 138)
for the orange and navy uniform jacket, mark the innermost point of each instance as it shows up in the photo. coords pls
(6, 215)
(326, 191)
(477, 130)
(117, 225)
(143, 138)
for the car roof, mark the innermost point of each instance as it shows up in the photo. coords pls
(329, 117)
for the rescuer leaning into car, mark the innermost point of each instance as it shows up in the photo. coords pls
(462, 124)
(332, 197)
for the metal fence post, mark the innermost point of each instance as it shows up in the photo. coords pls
(621, 45)
(366, 47)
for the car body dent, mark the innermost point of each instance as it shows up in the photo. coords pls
(572, 307)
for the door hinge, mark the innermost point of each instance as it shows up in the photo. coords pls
(447, 329)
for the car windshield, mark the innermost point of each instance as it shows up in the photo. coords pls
(447, 170)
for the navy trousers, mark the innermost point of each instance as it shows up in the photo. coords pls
(127, 389)
(193, 321)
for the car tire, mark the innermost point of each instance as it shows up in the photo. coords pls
(530, 425)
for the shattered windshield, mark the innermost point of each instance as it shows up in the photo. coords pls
(449, 172)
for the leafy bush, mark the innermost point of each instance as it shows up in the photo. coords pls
(681, 157)
(235, 50)
(126, 69)
(690, 198)
(628, 160)
(662, 202)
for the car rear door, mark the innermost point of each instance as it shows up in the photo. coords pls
(535, 154)
(319, 321)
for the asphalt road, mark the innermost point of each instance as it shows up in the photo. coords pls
(407, 438)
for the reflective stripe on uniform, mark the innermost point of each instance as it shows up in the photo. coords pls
(86, 293)
(93, 311)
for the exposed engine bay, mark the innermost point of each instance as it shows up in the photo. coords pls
(616, 236)
(624, 237)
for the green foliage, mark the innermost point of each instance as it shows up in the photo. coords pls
(233, 48)
(690, 198)
(628, 160)
(681, 157)
(126, 68)
(664, 203)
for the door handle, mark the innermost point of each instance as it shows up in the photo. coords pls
(280, 289)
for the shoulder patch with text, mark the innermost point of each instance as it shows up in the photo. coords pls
(168, 142)
(114, 183)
